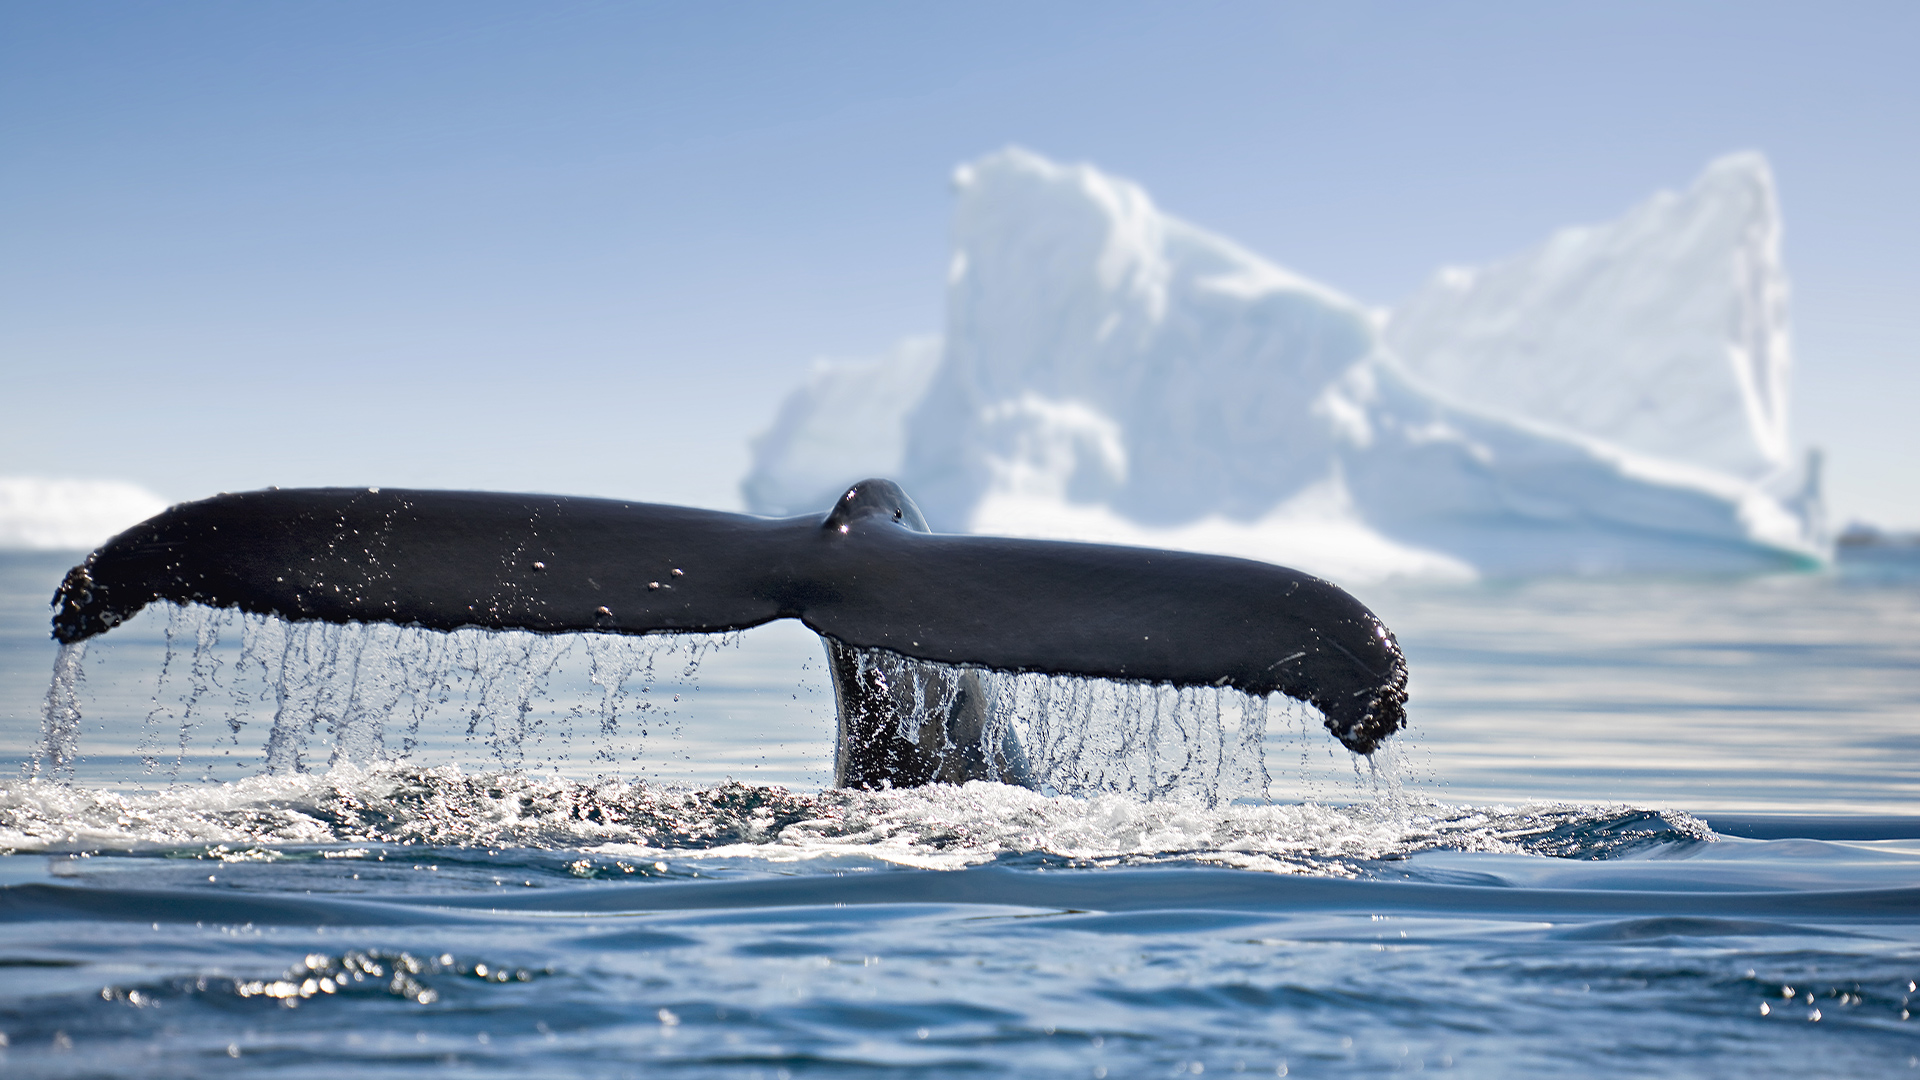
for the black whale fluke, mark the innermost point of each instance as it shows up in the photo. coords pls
(869, 576)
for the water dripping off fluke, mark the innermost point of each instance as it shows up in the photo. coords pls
(324, 695)
(905, 722)
(60, 717)
(327, 695)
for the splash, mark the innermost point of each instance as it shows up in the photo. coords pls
(611, 824)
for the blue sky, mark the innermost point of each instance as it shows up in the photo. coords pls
(587, 247)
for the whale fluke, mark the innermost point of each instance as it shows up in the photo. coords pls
(869, 576)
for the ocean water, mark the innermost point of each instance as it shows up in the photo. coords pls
(1646, 828)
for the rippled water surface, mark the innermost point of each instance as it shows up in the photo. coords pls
(1647, 828)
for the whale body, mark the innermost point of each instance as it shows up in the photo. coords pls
(869, 578)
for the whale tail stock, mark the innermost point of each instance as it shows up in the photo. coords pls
(869, 576)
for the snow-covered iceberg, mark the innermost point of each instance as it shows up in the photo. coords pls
(1112, 373)
(69, 515)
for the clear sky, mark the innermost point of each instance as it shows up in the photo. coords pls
(587, 247)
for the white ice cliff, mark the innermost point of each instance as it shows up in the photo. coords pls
(1664, 332)
(1612, 402)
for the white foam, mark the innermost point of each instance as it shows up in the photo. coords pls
(634, 824)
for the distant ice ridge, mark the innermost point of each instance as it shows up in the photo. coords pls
(69, 515)
(1614, 401)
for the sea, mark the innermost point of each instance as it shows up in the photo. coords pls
(1636, 827)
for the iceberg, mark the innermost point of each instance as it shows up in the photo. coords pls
(1101, 350)
(1112, 373)
(69, 515)
(847, 422)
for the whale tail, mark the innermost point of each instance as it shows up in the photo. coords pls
(868, 577)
